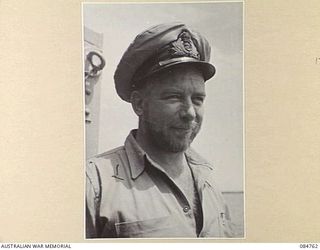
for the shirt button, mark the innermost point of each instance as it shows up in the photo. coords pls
(186, 209)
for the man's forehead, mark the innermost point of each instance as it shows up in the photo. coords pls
(179, 73)
(178, 81)
(183, 88)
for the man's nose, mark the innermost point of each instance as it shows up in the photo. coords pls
(188, 110)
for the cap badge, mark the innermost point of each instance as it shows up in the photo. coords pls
(184, 46)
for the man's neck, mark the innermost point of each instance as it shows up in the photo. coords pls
(173, 163)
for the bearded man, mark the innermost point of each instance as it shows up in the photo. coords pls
(156, 185)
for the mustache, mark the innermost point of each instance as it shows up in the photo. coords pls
(186, 125)
(175, 124)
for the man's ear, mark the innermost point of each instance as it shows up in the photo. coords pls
(137, 100)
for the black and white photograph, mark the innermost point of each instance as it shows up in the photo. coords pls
(164, 115)
(137, 123)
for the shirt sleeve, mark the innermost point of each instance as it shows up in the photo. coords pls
(225, 217)
(226, 220)
(92, 200)
(229, 226)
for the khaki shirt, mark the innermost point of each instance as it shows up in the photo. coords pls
(128, 195)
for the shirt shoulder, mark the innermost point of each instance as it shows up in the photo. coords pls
(196, 159)
(106, 157)
(102, 167)
(204, 171)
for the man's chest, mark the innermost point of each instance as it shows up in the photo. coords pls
(148, 209)
(153, 206)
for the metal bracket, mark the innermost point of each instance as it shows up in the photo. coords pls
(96, 64)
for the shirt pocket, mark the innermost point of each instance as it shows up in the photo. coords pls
(155, 227)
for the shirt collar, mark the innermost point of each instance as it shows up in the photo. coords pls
(137, 157)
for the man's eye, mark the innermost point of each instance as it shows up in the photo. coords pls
(172, 97)
(198, 100)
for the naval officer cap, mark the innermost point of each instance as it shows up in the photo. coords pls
(161, 47)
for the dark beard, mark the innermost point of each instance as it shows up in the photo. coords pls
(167, 139)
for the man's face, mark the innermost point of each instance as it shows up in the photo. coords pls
(173, 108)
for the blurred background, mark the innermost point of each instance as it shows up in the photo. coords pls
(110, 28)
